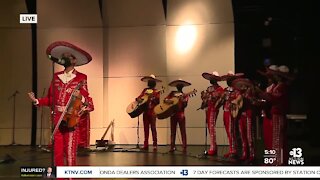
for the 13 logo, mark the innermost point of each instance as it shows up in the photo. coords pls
(184, 172)
(296, 157)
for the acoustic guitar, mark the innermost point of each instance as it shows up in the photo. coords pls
(236, 105)
(168, 108)
(206, 96)
(135, 108)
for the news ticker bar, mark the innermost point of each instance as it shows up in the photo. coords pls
(188, 172)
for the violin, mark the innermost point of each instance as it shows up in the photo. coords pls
(71, 114)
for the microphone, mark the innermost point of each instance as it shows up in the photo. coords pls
(14, 94)
(62, 60)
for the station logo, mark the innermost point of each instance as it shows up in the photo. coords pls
(184, 172)
(295, 157)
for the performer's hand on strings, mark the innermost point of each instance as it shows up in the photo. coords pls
(84, 109)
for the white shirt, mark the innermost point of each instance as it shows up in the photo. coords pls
(67, 76)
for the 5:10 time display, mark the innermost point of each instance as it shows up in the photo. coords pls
(270, 152)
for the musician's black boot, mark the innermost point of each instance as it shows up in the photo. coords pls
(155, 146)
(145, 146)
(172, 148)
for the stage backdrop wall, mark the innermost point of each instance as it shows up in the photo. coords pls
(127, 40)
(142, 41)
(15, 73)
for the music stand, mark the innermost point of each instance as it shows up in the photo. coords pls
(13, 96)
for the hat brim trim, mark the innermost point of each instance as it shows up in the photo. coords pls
(57, 49)
(238, 83)
(147, 78)
(231, 76)
(209, 77)
(177, 82)
(282, 74)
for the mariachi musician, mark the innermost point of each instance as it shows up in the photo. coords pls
(278, 97)
(178, 117)
(265, 108)
(229, 95)
(210, 98)
(244, 116)
(149, 117)
(63, 89)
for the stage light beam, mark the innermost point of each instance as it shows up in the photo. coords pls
(185, 38)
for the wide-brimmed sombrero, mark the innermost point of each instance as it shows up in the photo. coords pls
(58, 48)
(150, 78)
(272, 69)
(211, 76)
(282, 71)
(231, 75)
(175, 83)
(242, 83)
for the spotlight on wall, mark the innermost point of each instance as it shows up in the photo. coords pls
(185, 38)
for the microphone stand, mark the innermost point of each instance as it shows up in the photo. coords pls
(205, 152)
(14, 116)
(41, 126)
(40, 144)
(52, 114)
(135, 149)
(138, 137)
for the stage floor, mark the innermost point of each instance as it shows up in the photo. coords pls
(120, 155)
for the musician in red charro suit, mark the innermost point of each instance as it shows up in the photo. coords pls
(84, 131)
(278, 97)
(245, 87)
(212, 94)
(149, 117)
(229, 95)
(61, 88)
(178, 117)
(266, 110)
